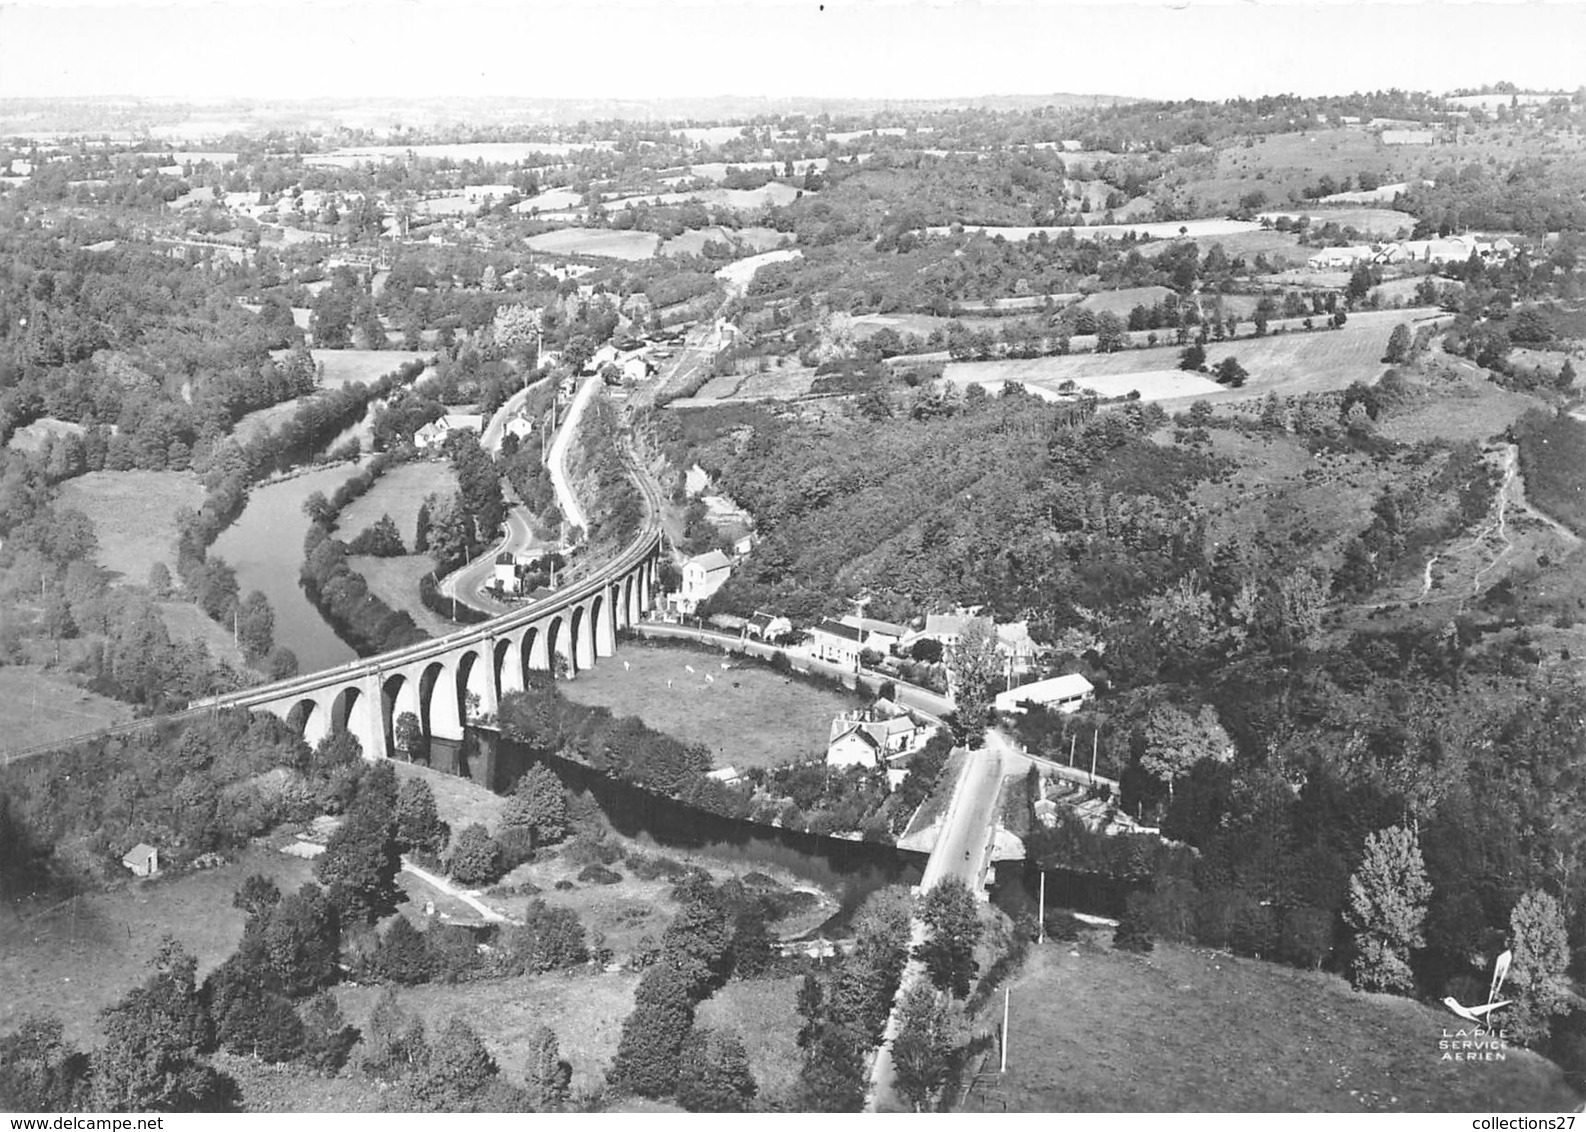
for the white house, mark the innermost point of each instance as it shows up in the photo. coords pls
(875, 736)
(434, 434)
(768, 626)
(1340, 257)
(1061, 693)
(505, 573)
(142, 859)
(703, 575)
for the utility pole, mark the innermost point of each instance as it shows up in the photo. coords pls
(1006, 994)
(1041, 921)
(1095, 740)
(1072, 739)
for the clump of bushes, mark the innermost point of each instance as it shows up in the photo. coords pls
(599, 874)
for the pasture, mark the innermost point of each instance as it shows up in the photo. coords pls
(1161, 230)
(739, 274)
(184, 621)
(607, 242)
(41, 706)
(134, 516)
(745, 714)
(84, 955)
(1373, 221)
(1187, 1030)
(399, 493)
(1287, 364)
(395, 581)
(693, 241)
(342, 367)
(1122, 302)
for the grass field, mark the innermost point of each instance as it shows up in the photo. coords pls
(345, 366)
(585, 1009)
(134, 515)
(1372, 221)
(1288, 364)
(692, 242)
(38, 706)
(1122, 302)
(747, 716)
(1161, 230)
(1184, 1030)
(607, 242)
(398, 493)
(186, 622)
(72, 965)
(396, 582)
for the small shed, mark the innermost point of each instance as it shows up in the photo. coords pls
(142, 859)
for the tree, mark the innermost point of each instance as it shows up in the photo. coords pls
(476, 858)
(1133, 932)
(282, 663)
(538, 803)
(403, 955)
(154, 1038)
(713, 1073)
(953, 922)
(418, 823)
(318, 509)
(1537, 975)
(361, 862)
(548, 1078)
(1176, 741)
(650, 1047)
(458, 1069)
(394, 1044)
(976, 668)
(327, 1038)
(1192, 357)
(1386, 906)
(929, 1030)
(1566, 377)
(255, 625)
(1230, 373)
(1111, 335)
(407, 735)
(160, 580)
(550, 938)
(421, 526)
(1398, 345)
(39, 1072)
(832, 1078)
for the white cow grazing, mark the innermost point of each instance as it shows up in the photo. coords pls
(709, 679)
(689, 668)
(626, 666)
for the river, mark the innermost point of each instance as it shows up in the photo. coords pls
(265, 547)
(848, 870)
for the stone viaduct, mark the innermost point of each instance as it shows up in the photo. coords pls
(462, 676)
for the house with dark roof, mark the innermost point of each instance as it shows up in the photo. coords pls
(836, 643)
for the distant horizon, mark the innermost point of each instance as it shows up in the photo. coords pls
(892, 50)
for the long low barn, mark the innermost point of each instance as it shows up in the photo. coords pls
(1060, 693)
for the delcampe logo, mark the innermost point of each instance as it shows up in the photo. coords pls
(1479, 1014)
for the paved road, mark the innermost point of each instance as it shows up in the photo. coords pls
(465, 584)
(556, 461)
(963, 850)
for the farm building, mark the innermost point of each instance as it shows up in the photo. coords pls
(142, 859)
(1061, 693)
(879, 635)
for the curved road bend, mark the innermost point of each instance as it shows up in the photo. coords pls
(556, 460)
(963, 850)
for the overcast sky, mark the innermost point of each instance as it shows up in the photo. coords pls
(892, 48)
